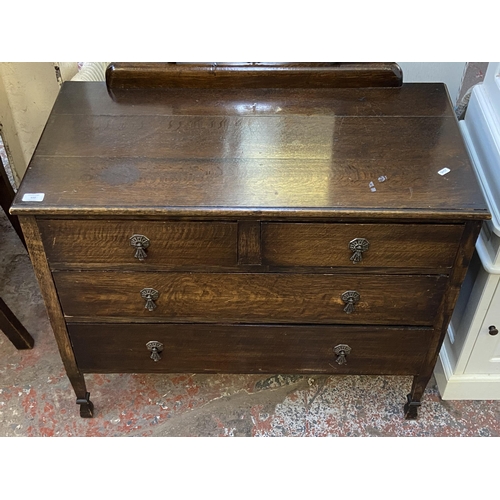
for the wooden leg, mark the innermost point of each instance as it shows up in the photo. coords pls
(6, 197)
(13, 328)
(413, 399)
(48, 289)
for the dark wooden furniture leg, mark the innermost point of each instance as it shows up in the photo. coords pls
(6, 197)
(462, 261)
(13, 328)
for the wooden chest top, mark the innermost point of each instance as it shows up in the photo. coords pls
(294, 153)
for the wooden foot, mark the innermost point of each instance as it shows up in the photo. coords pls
(411, 408)
(86, 406)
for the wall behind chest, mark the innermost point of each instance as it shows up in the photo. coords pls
(27, 93)
(450, 73)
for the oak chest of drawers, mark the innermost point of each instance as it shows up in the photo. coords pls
(251, 230)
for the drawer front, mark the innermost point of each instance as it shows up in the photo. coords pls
(427, 246)
(251, 297)
(248, 349)
(106, 243)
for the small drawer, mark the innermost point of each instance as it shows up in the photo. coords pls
(248, 348)
(157, 244)
(426, 246)
(250, 297)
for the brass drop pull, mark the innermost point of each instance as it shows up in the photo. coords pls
(350, 298)
(155, 347)
(493, 330)
(358, 246)
(342, 351)
(140, 243)
(150, 295)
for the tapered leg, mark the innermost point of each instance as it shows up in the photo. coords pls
(13, 328)
(56, 316)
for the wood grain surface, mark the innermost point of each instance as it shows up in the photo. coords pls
(391, 245)
(412, 99)
(216, 155)
(252, 75)
(107, 243)
(248, 349)
(270, 297)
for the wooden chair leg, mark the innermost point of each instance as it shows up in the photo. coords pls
(9, 324)
(13, 328)
(6, 198)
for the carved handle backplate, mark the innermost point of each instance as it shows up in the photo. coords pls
(140, 243)
(150, 295)
(357, 247)
(350, 298)
(342, 351)
(155, 347)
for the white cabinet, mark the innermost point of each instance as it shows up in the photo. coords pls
(469, 361)
(485, 355)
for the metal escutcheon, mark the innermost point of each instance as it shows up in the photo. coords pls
(351, 297)
(341, 350)
(358, 246)
(140, 243)
(155, 347)
(150, 295)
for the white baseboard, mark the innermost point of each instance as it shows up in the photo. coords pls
(473, 387)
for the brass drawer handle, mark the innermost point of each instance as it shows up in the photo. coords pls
(342, 351)
(493, 330)
(150, 295)
(350, 298)
(140, 243)
(358, 246)
(155, 347)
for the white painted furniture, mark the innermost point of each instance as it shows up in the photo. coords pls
(469, 361)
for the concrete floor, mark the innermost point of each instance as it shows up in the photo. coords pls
(36, 398)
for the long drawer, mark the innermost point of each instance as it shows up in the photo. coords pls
(251, 297)
(107, 243)
(248, 348)
(424, 246)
